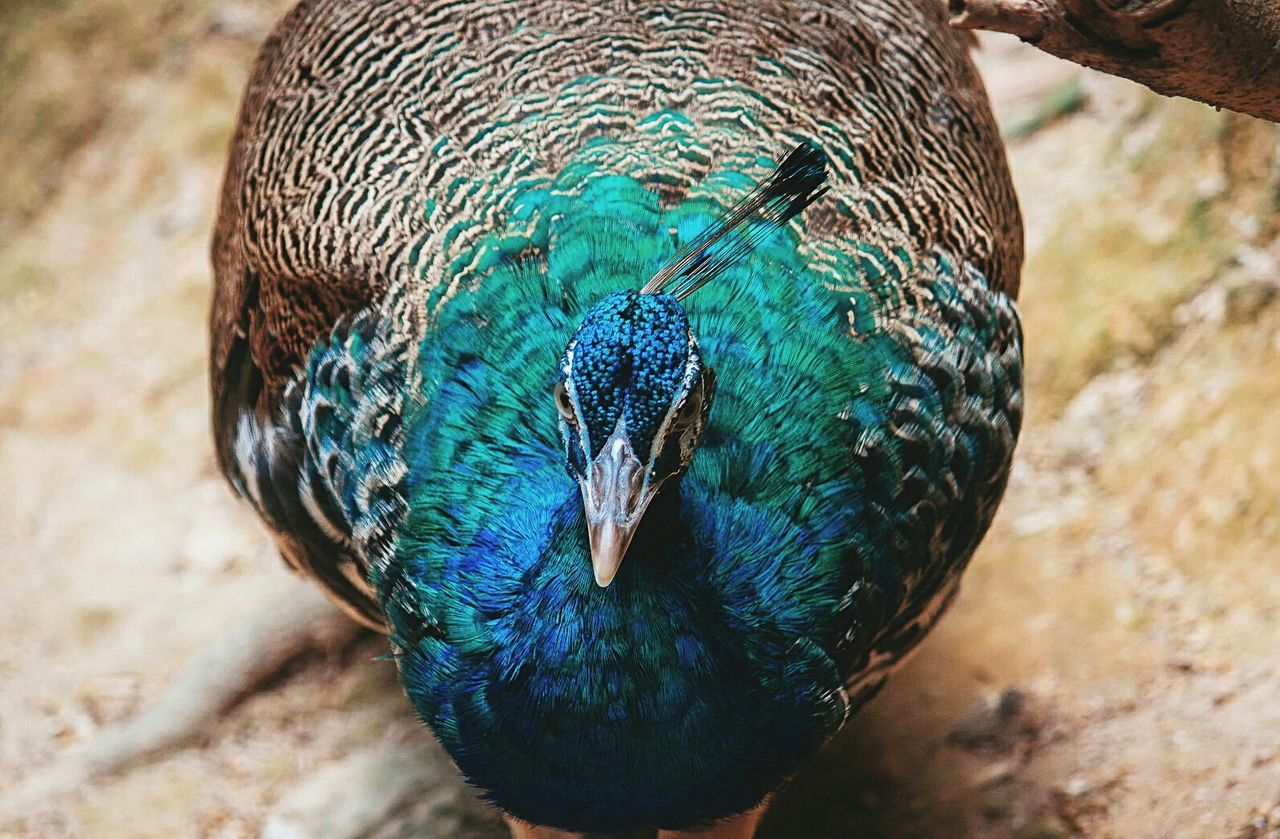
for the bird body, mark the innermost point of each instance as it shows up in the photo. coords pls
(435, 229)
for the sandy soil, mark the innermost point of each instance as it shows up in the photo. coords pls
(1111, 666)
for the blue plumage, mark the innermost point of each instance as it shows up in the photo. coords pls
(650, 485)
(756, 586)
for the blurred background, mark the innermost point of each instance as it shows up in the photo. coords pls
(1112, 666)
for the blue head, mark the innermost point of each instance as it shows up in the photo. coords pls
(633, 398)
(573, 705)
(633, 393)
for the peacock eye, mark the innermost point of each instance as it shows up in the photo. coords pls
(563, 405)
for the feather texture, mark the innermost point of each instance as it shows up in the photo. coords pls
(423, 203)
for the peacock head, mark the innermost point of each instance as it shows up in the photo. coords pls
(633, 398)
(634, 394)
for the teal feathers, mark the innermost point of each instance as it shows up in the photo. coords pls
(421, 425)
(649, 676)
(756, 589)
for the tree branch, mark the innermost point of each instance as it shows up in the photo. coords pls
(1224, 52)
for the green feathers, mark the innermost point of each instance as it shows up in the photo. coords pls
(856, 450)
(424, 202)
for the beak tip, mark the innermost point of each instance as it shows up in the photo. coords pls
(605, 568)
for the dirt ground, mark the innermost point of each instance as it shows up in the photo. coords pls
(1111, 668)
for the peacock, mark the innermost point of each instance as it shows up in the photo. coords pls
(647, 372)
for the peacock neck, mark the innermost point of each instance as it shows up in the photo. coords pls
(663, 545)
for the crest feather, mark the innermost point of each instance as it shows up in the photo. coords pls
(797, 182)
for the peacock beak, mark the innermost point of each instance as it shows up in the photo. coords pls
(614, 498)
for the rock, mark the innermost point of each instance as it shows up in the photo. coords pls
(1044, 827)
(1247, 298)
(995, 774)
(996, 724)
(1010, 705)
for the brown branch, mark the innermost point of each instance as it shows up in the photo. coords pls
(1224, 52)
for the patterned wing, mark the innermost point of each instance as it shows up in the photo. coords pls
(937, 459)
(326, 473)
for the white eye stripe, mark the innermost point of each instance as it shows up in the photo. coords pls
(576, 427)
(565, 386)
(687, 412)
(690, 382)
